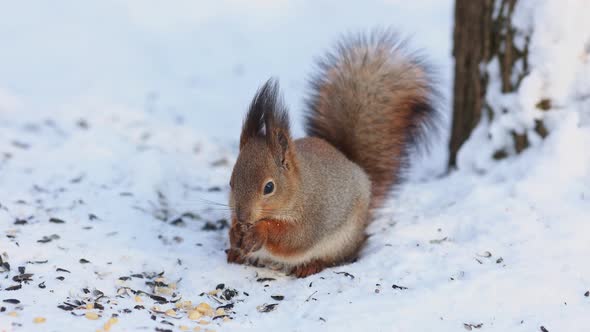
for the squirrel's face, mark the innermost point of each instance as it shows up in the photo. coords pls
(264, 180)
(262, 183)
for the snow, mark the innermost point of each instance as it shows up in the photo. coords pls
(119, 148)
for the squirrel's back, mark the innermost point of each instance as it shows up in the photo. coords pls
(328, 178)
(374, 101)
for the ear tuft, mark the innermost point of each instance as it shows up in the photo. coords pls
(266, 117)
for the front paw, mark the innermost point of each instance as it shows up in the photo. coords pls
(235, 236)
(251, 241)
(234, 255)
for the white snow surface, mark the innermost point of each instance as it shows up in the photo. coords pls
(135, 180)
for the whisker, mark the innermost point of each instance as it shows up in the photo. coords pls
(206, 208)
(201, 201)
(197, 206)
(211, 202)
(275, 211)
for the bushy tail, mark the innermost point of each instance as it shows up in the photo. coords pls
(374, 101)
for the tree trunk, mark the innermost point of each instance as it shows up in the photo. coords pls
(483, 32)
(471, 48)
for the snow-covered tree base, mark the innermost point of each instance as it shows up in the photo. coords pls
(546, 86)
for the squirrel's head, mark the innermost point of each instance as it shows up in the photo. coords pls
(265, 177)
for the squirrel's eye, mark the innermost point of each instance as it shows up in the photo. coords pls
(269, 188)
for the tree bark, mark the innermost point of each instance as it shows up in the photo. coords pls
(482, 32)
(471, 39)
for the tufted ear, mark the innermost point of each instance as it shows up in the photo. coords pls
(277, 129)
(267, 118)
(263, 103)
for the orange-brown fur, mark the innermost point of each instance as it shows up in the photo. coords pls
(371, 112)
(274, 232)
(370, 103)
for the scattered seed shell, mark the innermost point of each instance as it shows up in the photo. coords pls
(204, 308)
(186, 305)
(39, 320)
(194, 315)
(267, 307)
(91, 315)
(394, 286)
(485, 254)
(163, 290)
(346, 274)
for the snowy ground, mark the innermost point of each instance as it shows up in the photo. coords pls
(116, 190)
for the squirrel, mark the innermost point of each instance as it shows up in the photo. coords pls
(302, 205)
